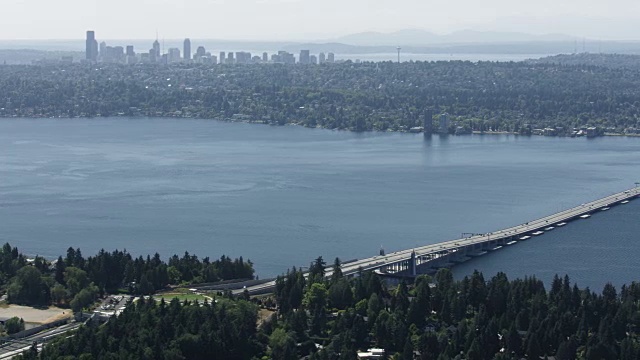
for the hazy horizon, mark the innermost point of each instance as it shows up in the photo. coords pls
(303, 20)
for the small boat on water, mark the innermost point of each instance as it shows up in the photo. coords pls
(511, 242)
(496, 248)
(561, 224)
(605, 208)
(526, 237)
(624, 202)
(585, 216)
(537, 233)
(549, 228)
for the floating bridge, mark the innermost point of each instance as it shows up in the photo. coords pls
(429, 258)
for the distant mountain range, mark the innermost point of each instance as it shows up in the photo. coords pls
(416, 37)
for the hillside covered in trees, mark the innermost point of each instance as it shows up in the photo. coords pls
(614, 61)
(76, 281)
(503, 96)
(332, 318)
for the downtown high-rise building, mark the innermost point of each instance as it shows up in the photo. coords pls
(322, 58)
(173, 55)
(304, 57)
(222, 57)
(201, 51)
(103, 49)
(331, 58)
(91, 46)
(187, 49)
(156, 49)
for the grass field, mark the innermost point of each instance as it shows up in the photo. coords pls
(182, 296)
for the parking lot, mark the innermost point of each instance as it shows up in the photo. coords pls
(113, 305)
(33, 315)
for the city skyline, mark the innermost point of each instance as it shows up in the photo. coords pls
(292, 20)
(103, 52)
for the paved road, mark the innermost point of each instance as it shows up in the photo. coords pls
(8, 351)
(515, 231)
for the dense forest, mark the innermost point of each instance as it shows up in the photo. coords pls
(77, 281)
(484, 96)
(334, 317)
(158, 330)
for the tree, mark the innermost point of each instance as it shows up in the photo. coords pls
(76, 280)
(533, 349)
(420, 307)
(373, 308)
(28, 288)
(14, 325)
(283, 345)
(337, 271)
(60, 267)
(316, 301)
(401, 298)
(84, 298)
(407, 352)
(316, 270)
(174, 275)
(59, 294)
(340, 294)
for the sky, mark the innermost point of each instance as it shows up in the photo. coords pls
(311, 19)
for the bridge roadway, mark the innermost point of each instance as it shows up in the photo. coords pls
(381, 261)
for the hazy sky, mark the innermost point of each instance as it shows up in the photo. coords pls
(310, 19)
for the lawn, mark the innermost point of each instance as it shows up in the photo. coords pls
(181, 296)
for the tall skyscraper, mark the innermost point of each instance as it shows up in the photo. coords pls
(444, 124)
(130, 51)
(223, 57)
(91, 46)
(322, 58)
(152, 56)
(174, 55)
(265, 57)
(156, 48)
(201, 51)
(304, 57)
(331, 58)
(103, 49)
(187, 49)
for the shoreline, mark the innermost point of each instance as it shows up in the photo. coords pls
(473, 132)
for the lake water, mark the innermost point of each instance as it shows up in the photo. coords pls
(281, 196)
(440, 57)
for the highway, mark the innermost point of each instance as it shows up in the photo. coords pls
(515, 231)
(17, 347)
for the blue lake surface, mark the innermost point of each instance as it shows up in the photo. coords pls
(281, 196)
